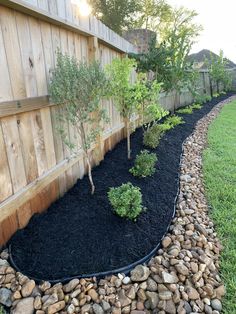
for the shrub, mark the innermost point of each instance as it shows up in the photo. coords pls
(186, 110)
(173, 120)
(126, 200)
(144, 164)
(201, 99)
(216, 95)
(152, 136)
(196, 106)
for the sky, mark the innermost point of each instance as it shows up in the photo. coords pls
(218, 19)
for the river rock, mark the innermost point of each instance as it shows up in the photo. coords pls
(5, 297)
(25, 306)
(140, 273)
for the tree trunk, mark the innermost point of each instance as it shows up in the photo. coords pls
(127, 124)
(90, 173)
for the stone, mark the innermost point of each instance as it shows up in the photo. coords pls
(126, 280)
(165, 295)
(170, 307)
(93, 294)
(5, 297)
(151, 285)
(71, 309)
(27, 288)
(192, 293)
(45, 285)
(137, 312)
(220, 292)
(169, 278)
(216, 305)
(152, 298)
(71, 285)
(56, 307)
(37, 303)
(140, 273)
(187, 307)
(208, 309)
(124, 300)
(24, 306)
(50, 300)
(106, 306)
(166, 242)
(201, 229)
(125, 310)
(131, 293)
(85, 308)
(182, 269)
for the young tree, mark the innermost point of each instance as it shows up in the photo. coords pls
(123, 91)
(217, 67)
(79, 88)
(148, 106)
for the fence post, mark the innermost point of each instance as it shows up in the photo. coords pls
(93, 55)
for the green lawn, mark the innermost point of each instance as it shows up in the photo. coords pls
(219, 165)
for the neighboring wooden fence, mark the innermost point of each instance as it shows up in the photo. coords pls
(35, 166)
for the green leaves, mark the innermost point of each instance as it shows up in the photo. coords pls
(126, 200)
(144, 164)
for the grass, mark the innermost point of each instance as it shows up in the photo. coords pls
(219, 166)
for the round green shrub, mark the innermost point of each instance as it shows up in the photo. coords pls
(152, 136)
(144, 164)
(126, 200)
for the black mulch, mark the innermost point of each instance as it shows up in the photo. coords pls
(79, 234)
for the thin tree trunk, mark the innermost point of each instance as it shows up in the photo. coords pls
(90, 173)
(128, 138)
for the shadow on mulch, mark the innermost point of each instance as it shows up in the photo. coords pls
(79, 234)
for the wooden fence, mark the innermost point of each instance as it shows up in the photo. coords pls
(35, 166)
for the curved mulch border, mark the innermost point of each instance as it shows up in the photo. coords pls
(182, 278)
(79, 236)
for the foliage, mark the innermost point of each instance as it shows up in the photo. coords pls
(152, 136)
(219, 162)
(123, 91)
(152, 14)
(196, 106)
(217, 67)
(186, 110)
(147, 95)
(201, 99)
(173, 120)
(126, 200)
(168, 60)
(144, 164)
(116, 14)
(1, 310)
(79, 87)
(216, 95)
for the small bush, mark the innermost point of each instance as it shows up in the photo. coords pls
(186, 110)
(126, 200)
(215, 95)
(201, 99)
(196, 106)
(144, 164)
(152, 136)
(173, 120)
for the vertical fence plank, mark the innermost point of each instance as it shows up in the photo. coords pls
(10, 38)
(5, 178)
(26, 55)
(14, 152)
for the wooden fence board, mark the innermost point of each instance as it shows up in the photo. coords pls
(11, 43)
(5, 178)
(14, 152)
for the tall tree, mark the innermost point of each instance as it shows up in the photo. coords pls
(151, 14)
(116, 14)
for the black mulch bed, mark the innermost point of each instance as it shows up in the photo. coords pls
(79, 234)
